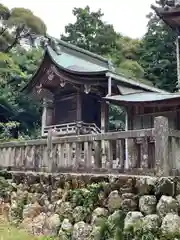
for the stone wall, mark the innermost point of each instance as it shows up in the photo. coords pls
(85, 207)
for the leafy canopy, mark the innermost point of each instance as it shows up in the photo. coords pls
(90, 32)
(157, 53)
(18, 24)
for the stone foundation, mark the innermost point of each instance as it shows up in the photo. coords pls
(84, 207)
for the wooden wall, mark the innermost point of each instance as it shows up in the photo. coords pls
(91, 109)
(141, 118)
(77, 107)
(65, 108)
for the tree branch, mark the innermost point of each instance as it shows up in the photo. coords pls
(12, 45)
(3, 31)
(18, 36)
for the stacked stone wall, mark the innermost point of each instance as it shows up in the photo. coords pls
(85, 207)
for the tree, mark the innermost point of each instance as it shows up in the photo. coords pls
(18, 24)
(90, 32)
(16, 68)
(157, 54)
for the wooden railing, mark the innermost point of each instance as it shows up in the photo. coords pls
(72, 128)
(146, 151)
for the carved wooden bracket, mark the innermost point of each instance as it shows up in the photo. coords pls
(62, 82)
(50, 74)
(87, 88)
(39, 88)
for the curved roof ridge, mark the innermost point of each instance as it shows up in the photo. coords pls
(83, 51)
(51, 53)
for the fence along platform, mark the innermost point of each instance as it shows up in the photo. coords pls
(149, 152)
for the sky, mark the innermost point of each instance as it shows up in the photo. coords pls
(128, 17)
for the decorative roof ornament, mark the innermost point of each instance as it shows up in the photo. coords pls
(53, 43)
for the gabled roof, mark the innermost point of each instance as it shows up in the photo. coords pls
(71, 60)
(81, 64)
(84, 54)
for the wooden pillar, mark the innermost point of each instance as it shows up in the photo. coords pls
(47, 114)
(126, 140)
(79, 107)
(109, 86)
(161, 134)
(43, 119)
(132, 146)
(104, 116)
(104, 128)
(79, 112)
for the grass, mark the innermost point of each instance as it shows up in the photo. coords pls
(8, 232)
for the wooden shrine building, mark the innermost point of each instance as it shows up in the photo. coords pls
(73, 84)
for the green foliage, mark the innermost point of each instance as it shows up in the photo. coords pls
(111, 228)
(157, 54)
(17, 213)
(5, 188)
(16, 68)
(116, 118)
(18, 24)
(90, 31)
(86, 197)
(6, 130)
(139, 232)
(132, 68)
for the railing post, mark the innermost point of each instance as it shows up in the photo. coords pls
(49, 150)
(161, 134)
